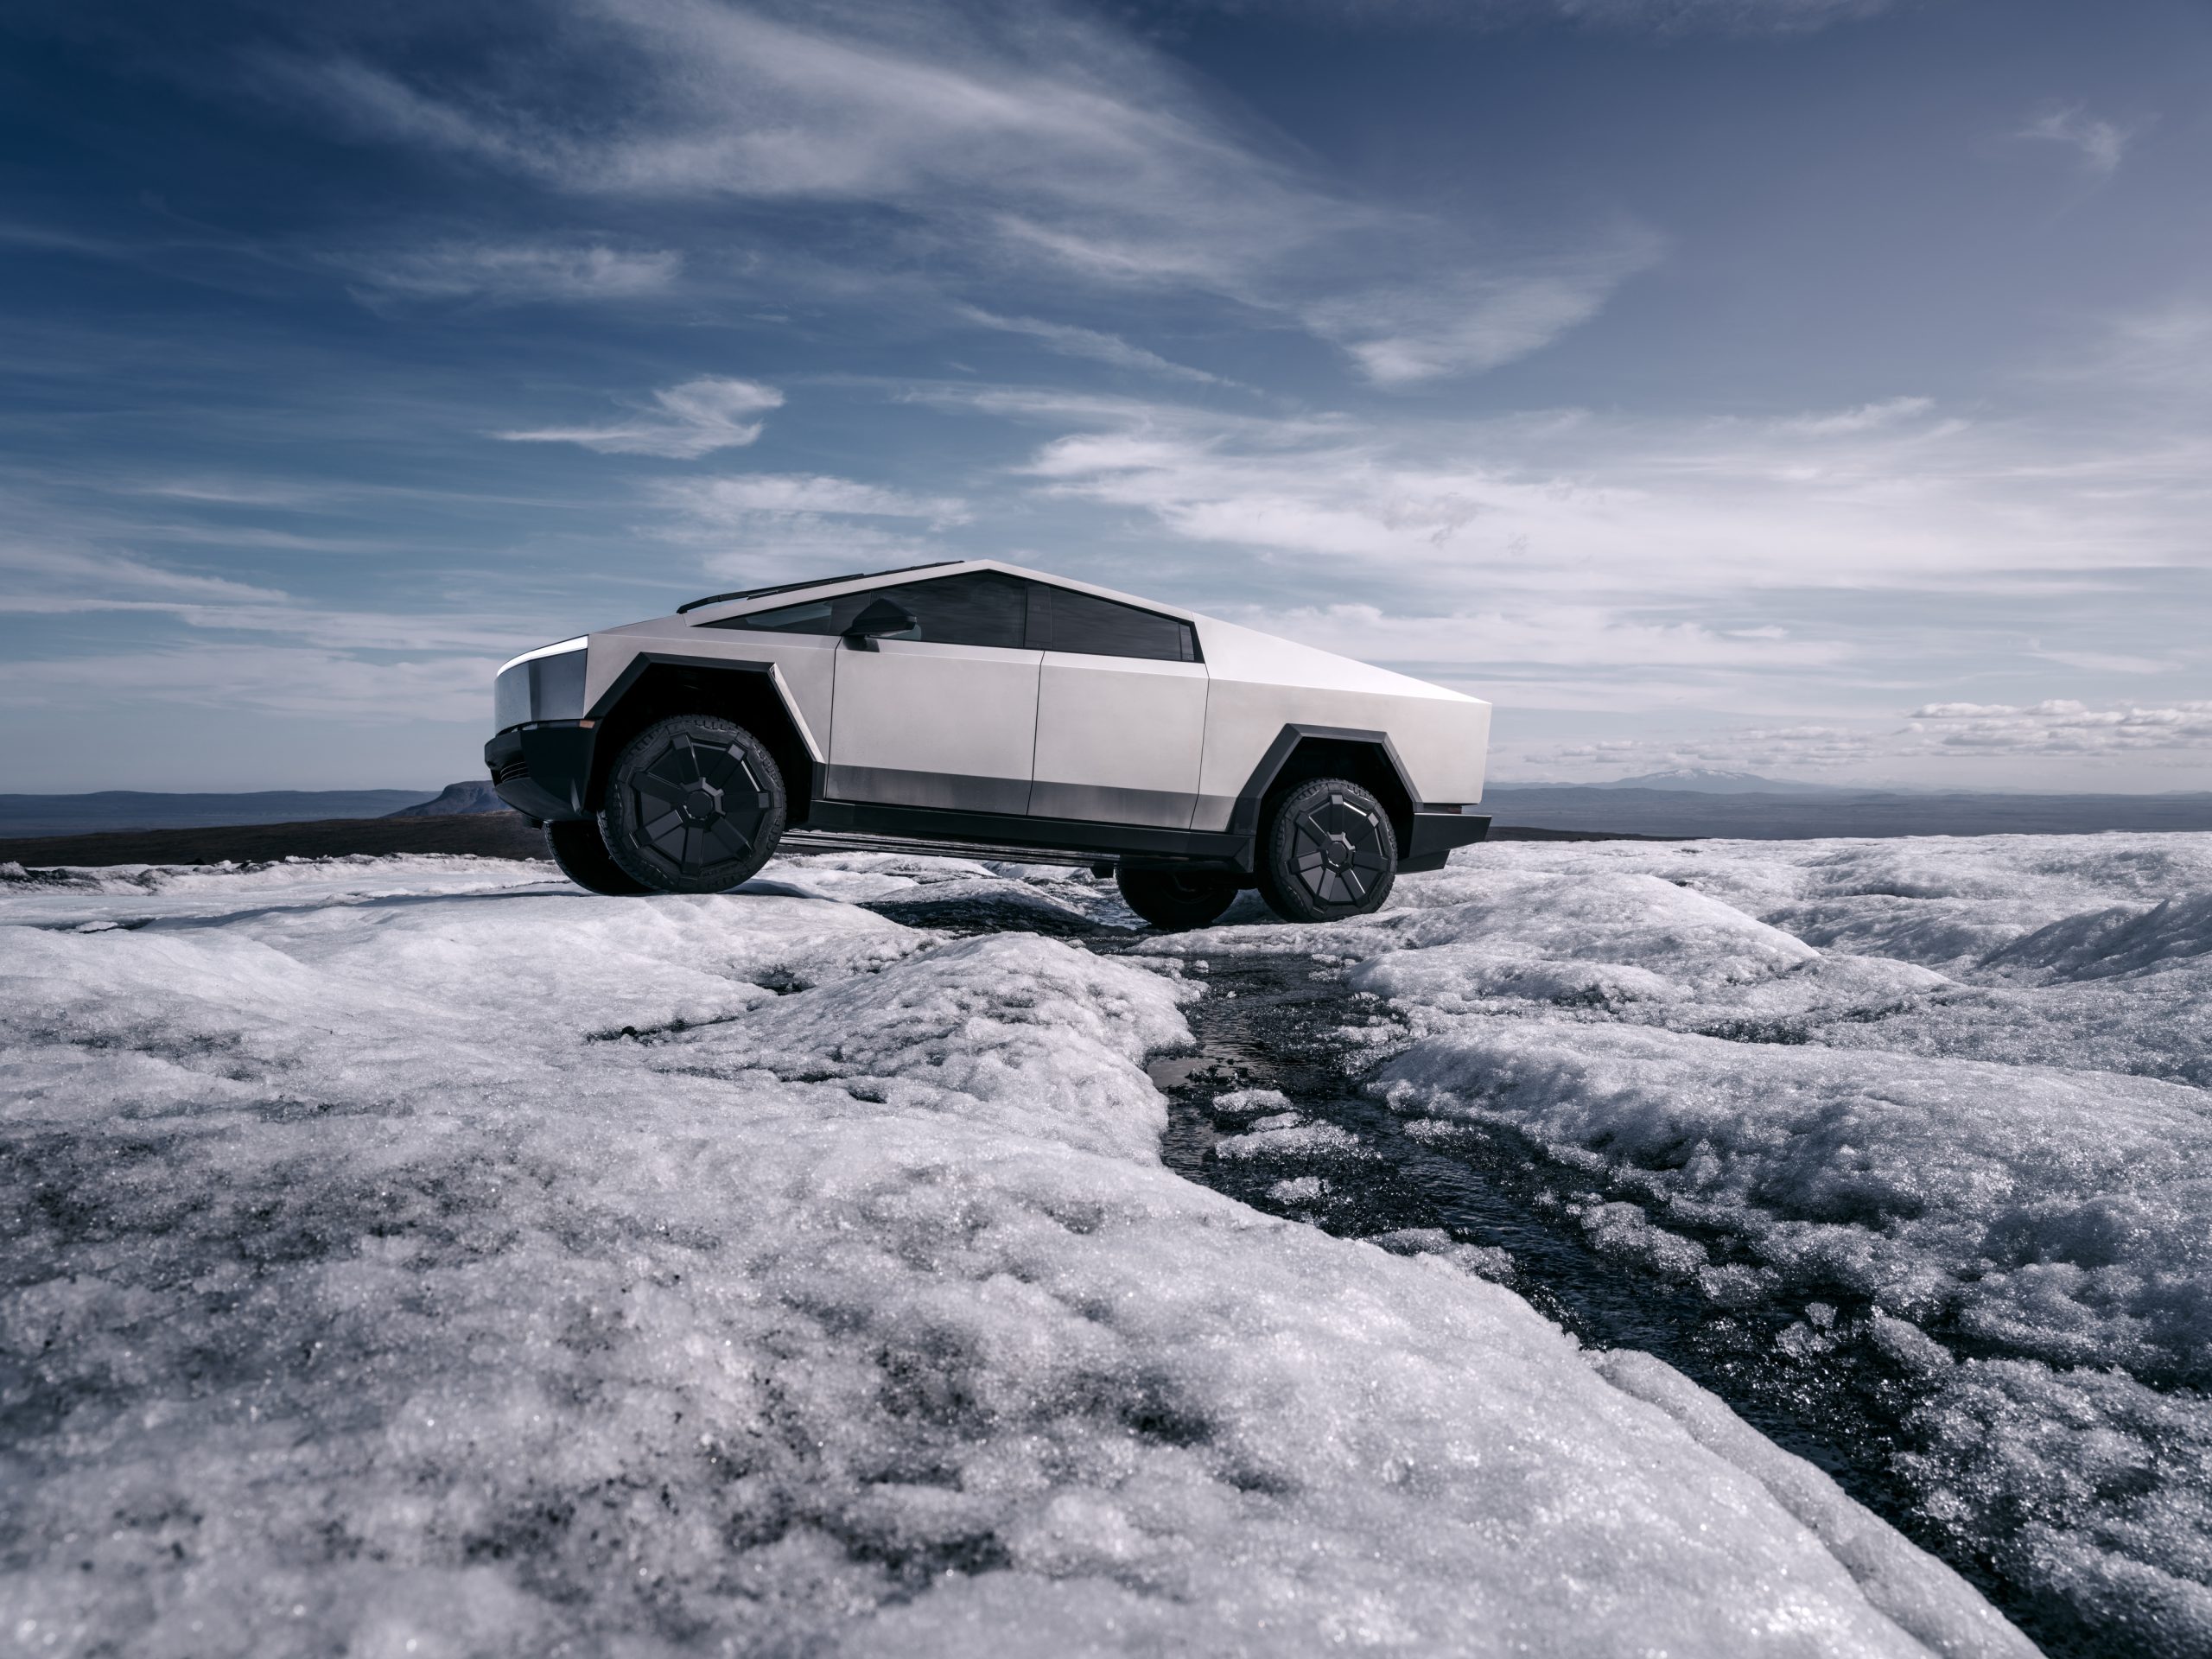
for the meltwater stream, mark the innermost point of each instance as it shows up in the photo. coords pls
(1804, 1374)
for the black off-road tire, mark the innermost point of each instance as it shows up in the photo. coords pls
(1326, 851)
(1173, 900)
(693, 804)
(581, 851)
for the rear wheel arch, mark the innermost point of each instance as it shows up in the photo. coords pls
(1302, 753)
(656, 687)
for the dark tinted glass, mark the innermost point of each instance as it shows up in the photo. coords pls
(983, 608)
(1102, 627)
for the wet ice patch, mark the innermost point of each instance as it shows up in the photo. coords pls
(2043, 1210)
(1288, 1135)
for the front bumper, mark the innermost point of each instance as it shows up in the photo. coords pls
(544, 770)
(1435, 834)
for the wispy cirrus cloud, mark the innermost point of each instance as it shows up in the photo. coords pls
(758, 526)
(682, 422)
(711, 499)
(509, 272)
(2098, 144)
(1035, 139)
(1071, 341)
(1465, 325)
(268, 677)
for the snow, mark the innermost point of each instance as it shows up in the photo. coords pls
(1948, 1094)
(414, 1255)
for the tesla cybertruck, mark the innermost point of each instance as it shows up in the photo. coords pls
(976, 709)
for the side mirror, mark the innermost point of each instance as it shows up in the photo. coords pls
(883, 619)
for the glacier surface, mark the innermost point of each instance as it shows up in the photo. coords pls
(1948, 1095)
(416, 1255)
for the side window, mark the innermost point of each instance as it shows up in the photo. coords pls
(811, 616)
(1062, 620)
(981, 608)
(984, 609)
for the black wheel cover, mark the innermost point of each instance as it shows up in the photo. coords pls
(1337, 847)
(581, 851)
(693, 804)
(698, 804)
(1326, 851)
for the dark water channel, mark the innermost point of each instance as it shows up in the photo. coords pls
(1802, 1371)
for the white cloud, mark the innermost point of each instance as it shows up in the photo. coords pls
(1678, 510)
(1070, 340)
(38, 579)
(1399, 336)
(246, 647)
(766, 526)
(685, 422)
(1034, 136)
(1867, 418)
(2104, 662)
(511, 271)
(2100, 145)
(1785, 752)
(742, 495)
(1556, 636)
(2063, 727)
(38, 573)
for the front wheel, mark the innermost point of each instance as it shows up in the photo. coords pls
(693, 804)
(1174, 899)
(1326, 851)
(581, 851)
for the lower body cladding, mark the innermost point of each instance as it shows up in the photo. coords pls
(545, 771)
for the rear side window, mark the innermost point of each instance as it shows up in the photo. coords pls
(1062, 620)
(981, 608)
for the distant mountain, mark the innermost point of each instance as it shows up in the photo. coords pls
(474, 796)
(131, 809)
(1702, 780)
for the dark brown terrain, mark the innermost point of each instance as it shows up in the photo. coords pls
(483, 834)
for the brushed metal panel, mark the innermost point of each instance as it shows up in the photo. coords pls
(1123, 734)
(914, 708)
(1169, 809)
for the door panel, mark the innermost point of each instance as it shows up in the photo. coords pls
(1118, 738)
(916, 723)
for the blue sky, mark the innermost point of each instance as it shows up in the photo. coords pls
(1819, 387)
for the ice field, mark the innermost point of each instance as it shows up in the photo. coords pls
(418, 1255)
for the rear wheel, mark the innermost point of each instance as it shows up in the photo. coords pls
(693, 804)
(1175, 899)
(1326, 851)
(581, 851)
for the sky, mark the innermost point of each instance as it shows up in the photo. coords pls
(1817, 388)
